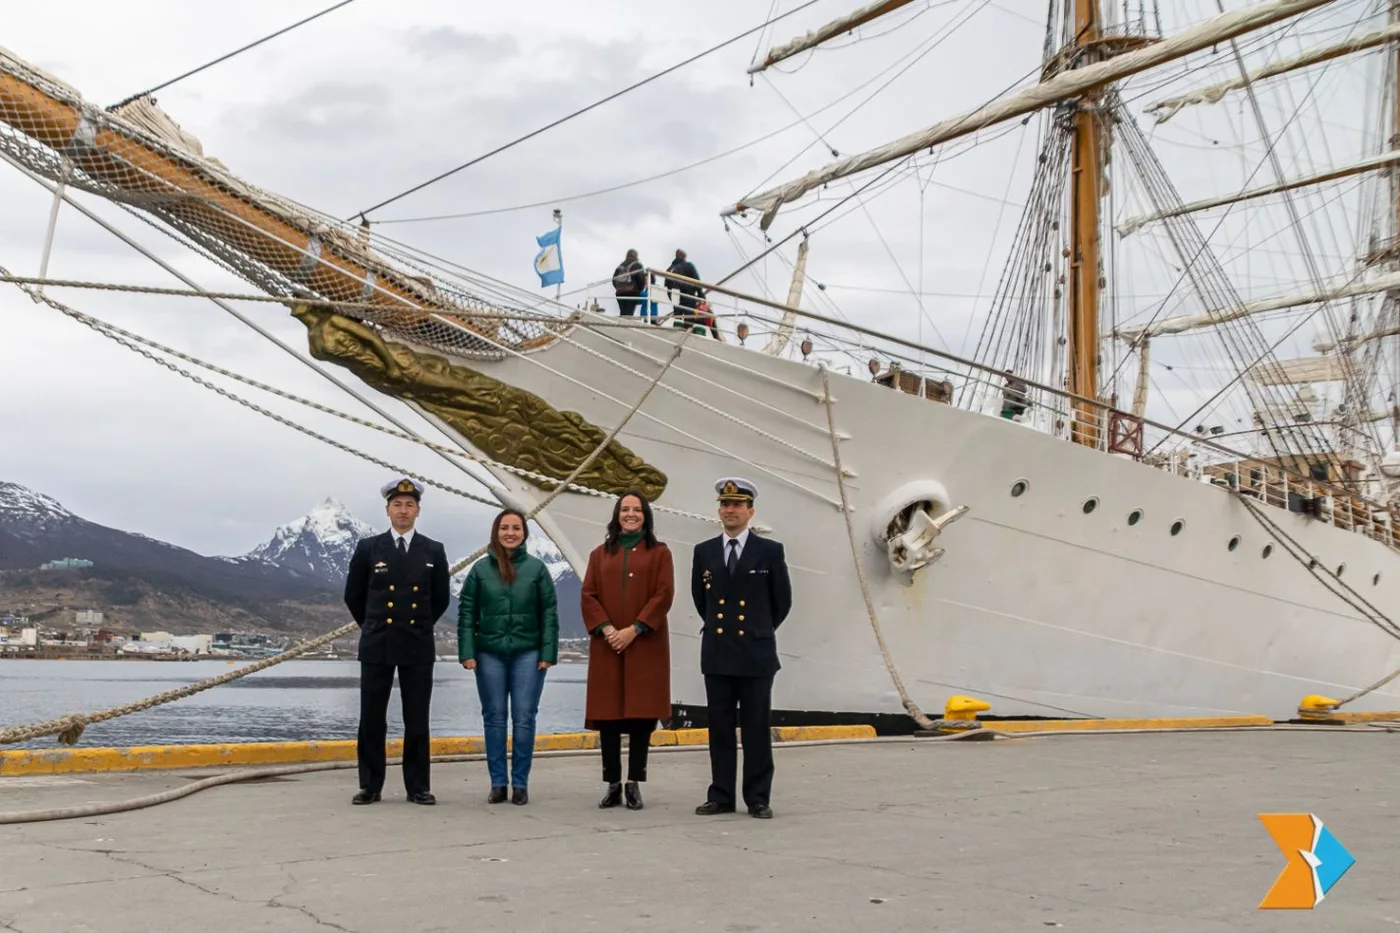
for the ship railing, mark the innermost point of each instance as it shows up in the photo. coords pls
(946, 378)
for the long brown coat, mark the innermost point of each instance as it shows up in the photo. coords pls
(622, 588)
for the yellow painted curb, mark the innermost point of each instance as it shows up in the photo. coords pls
(1102, 725)
(168, 757)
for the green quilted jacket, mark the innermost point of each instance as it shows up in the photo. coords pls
(505, 619)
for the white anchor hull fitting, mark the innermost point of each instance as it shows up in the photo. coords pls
(1036, 606)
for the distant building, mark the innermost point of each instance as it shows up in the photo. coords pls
(88, 618)
(66, 563)
(157, 638)
(194, 644)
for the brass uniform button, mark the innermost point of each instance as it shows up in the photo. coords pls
(721, 602)
(719, 615)
(719, 631)
(741, 631)
(415, 589)
(741, 602)
(391, 587)
(415, 606)
(388, 621)
(391, 605)
(741, 618)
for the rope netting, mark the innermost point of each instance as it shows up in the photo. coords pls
(137, 156)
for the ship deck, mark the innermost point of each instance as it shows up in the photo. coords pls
(1085, 832)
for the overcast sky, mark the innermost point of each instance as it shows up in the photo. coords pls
(376, 97)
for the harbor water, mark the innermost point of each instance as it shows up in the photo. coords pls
(292, 701)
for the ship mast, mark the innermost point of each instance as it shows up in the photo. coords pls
(1086, 185)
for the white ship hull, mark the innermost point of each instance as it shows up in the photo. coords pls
(1036, 607)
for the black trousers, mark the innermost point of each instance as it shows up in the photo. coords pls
(638, 733)
(752, 697)
(416, 691)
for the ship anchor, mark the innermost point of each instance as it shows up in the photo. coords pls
(910, 533)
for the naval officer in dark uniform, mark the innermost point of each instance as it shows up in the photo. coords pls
(397, 588)
(741, 589)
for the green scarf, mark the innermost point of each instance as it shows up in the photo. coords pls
(630, 539)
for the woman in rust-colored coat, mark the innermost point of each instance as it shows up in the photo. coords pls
(627, 592)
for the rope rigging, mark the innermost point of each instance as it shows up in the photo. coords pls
(582, 110)
(69, 728)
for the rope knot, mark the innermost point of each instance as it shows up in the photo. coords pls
(73, 726)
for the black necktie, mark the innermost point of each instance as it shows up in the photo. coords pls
(733, 556)
(403, 548)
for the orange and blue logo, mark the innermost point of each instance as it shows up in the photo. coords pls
(1316, 860)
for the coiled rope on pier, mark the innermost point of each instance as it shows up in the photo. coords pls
(69, 728)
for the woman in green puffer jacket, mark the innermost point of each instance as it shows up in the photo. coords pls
(508, 635)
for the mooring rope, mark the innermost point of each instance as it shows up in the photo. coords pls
(1311, 564)
(910, 706)
(70, 728)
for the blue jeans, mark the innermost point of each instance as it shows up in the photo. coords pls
(518, 677)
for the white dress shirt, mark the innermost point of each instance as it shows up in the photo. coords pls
(742, 538)
(407, 538)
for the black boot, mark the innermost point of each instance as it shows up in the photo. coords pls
(634, 796)
(613, 796)
(519, 796)
(498, 795)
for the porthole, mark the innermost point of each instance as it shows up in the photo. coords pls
(1134, 516)
(1376, 580)
(1019, 488)
(1177, 526)
(1268, 549)
(1234, 542)
(1090, 504)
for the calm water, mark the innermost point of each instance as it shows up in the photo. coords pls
(293, 701)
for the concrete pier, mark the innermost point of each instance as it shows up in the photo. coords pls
(1086, 833)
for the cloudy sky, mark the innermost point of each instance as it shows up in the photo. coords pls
(376, 97)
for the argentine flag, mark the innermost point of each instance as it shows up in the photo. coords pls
(549, 264)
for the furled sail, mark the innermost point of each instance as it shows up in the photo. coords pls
(1176, 325)
(1385, 160)
(836, 27)
(1166, 109)
(1066, 84)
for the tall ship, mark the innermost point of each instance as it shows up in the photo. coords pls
(1153, 488)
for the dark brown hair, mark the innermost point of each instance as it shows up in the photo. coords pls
(504, 565)
(610, 542)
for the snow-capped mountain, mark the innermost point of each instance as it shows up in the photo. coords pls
(127, 568)
(31, 512)
(319, 544)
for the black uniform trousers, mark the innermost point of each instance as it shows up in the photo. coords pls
(753, 697)
(416, 691)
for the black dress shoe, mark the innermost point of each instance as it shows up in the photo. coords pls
(710, 808)
(364, 797)
(612, 798)
(761, 812)
(497, 795)
(422, 797)
(519, 796)
(634, 796)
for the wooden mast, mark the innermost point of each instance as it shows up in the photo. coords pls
(1086, 183)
